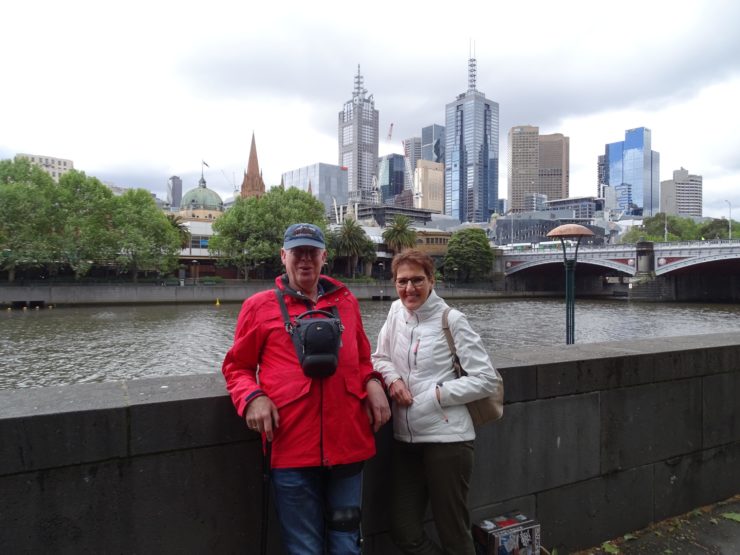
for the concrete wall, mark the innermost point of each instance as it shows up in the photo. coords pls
(597, 440)
(66, 295)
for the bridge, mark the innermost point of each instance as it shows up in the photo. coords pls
(628, 259)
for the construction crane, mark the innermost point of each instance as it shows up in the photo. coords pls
(390, 132)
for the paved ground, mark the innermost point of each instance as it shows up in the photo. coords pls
(714, 529)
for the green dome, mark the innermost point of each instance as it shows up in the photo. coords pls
(201, 198)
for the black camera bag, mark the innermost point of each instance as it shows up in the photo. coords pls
(316, 340)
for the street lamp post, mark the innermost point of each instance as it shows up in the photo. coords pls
(563, 232)
(729, 221)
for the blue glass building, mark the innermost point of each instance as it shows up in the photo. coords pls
(433, 143)
(633, 169)
(471, 154)
(391, 172)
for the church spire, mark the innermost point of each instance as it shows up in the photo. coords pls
(253, 185)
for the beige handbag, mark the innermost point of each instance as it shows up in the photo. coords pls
(483, 410)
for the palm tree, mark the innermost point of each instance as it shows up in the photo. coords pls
(182, 229)
(351, 242)
(399, 235)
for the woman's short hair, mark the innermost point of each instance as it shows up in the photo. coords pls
(413, 256)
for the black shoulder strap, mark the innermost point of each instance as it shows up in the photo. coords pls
(289, 327)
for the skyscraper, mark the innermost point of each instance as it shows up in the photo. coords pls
(471, 154)
(174, 191)
(358, 143)
(633, 169)
(412, 153)
(391, 177)
(433, 143)
(538, 165)
(682, 195)
(429, 185)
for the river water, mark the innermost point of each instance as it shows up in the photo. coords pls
(94, 344)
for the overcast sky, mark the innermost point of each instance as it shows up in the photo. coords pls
(134, 92)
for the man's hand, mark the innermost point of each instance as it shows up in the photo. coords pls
(400, 393)
(376, 405)
(262, 416)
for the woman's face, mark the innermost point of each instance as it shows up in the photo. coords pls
(413, 285)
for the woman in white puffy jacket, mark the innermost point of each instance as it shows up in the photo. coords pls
(432, 455)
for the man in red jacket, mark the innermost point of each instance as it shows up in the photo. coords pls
(321, 428)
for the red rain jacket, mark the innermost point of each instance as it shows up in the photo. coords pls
(322, 420)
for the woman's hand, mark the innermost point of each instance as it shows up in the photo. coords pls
(400, 393)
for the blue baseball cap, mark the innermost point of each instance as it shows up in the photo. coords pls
(303, 235)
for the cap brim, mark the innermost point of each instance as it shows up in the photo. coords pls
(303, 242)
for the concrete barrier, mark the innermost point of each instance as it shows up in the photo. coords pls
(596, 440)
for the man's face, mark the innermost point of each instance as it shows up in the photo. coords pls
(303, 266)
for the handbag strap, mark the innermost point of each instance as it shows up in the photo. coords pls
(451, 343)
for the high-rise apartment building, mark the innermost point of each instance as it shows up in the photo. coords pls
(538, 165)
(326, 182)
(55, 167)
(600, 175)
(433, 143)
(358, 143)
(524, 163)
(682, 195)
(633, 169)
(554, 170)
(412, 152)
(471, 154)
(429, 185)
(174, 191)
(391, 177)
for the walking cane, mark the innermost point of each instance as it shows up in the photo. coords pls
(266, 463)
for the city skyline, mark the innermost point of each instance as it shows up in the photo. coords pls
(133, 105)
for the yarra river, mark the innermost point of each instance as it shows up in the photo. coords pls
(94, 344)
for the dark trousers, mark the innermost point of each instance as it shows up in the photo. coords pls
(436, 473)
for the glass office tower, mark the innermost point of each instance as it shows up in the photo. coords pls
(391, 175)
(358, 143)
(633, 169)
(433, 143)
(471, 154)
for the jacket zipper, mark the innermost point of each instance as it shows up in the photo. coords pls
(408, 381)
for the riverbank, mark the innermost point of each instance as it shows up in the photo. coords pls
(40, 296)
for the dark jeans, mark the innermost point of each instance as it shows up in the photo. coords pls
(438, 473)
(304, 499)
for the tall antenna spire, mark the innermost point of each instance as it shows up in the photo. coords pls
(471, 68)
(359, 91)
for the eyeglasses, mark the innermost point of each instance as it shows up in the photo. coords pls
(306, 252)
(415, 281)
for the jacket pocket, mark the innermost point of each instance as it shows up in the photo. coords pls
(425, 413)
(287, 391)
(353, 384)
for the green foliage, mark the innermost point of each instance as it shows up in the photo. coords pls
(469, 256)
(251, 231)
(183, 231)
(351, 241)
(678, 229)
(29, 220)
(399, 235)
(85, 222)
(145, 238)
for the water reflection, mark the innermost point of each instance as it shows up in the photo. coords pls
(93, 344)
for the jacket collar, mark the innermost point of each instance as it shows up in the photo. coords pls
(431, 306)
(326, 285)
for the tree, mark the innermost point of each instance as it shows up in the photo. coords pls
(717, 229)
(654, 229)
(86, 227)
(469, 255)
(145, 238)
(183, 231)
(251, 231)
(399, 235)
(29, 220)
(351, 241)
